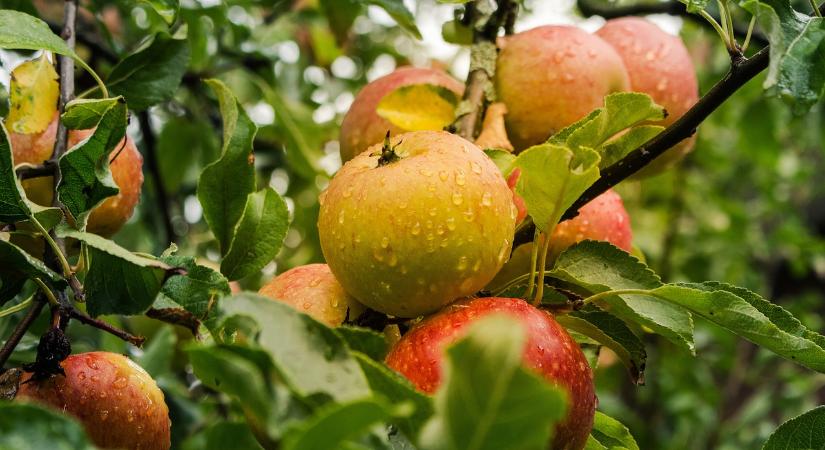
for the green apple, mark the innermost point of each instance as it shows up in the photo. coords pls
(416, 222)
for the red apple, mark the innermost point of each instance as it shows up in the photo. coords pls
(658, 65)
(313, 289)
(115, 400)
(550, 77)
(363, 127)
(550, 351)
(602, 219)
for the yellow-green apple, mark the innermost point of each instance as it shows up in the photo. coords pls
(107, 218)
(660, 66)
(313, 289)
(413, 224)
(552, 76)
(363, 127)
(115, 400)
(550, 351)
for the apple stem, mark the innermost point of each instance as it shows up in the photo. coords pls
(388, 153)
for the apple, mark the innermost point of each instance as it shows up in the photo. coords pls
(413, 224)
(550, 351)
(550, 77)
(115, 400)
(313, 289)
(107, 218)
(659, 65)
(362, 127)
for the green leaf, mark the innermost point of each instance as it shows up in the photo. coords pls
(797, 45)
(16, 266)
(234, 435)
(228, 372)
(485, 388)
(611, 434)
(802, 432)
(364, 340)
(613, 333)
(341, 14)
(13, 206)
(83, 113)
(85, 176)
(166, 9)
(397, 389)
(750, 316)
(598, 267)
(502, 159)
(618, 148)
(224, 185)
(258, 236)
(27, 426)
(159, 352)
(695, 6)
(197, 290)
(455, 32)
(118, 281)
(333, 425)
(21, 31)
(419, 107)
(151, 75)
(311, 358)
(399, 12)
(552, 178)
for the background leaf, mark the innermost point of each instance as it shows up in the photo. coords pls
(30, 427)
(33, 96)
(419, 107)
(803, 432)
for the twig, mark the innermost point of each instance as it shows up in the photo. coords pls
(154, 169)
(672, 7)
(20, 329)
(137, 341)
(24, 172)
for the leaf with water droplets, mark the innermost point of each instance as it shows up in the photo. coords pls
(419, 107)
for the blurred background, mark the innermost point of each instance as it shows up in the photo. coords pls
(746, 207)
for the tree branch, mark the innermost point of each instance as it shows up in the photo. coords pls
(672, 7)
(137, 341)
(21, 328)
(154, 169)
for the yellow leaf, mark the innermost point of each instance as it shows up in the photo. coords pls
(419, 107)
(33, 96)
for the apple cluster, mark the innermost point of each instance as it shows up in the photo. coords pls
(415, 223)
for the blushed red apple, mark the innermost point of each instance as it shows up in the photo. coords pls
(550, 351)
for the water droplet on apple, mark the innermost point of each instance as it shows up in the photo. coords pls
(476, 167)
(416, 229)
(443, 174)
(457, 198)
(459, 177)
(385, 242)
(450, 221)
(462, 263)
(486, 199)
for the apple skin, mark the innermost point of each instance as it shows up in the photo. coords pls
(660, 66)
(408, 237)
(107, 218)
(550, 351)
(552, 76)
(115, 400)
(362, 127)
(313, 289)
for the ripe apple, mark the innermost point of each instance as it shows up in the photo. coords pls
(552, 76)
(115, 400)
(550, 351)
(362, 127)
(313, 289)
(416, 223)
(660, 66)
(108, 217)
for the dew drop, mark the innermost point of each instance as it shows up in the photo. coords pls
(104, 414)
(426, 172)
(341, 216)
(477, 265)
(81, 375)
(432, 212)
(95, 378)
(462, 263)
(475, 167)
(450, 223)
(459, 178)
(662, 85)
(378, 255)
(457, 198)
(486, 199)
(416, 229)
(402, 205)
(443, 174)
(347, 192)
(385, 242)
(120, 382)
(469, 216)
(307, 305)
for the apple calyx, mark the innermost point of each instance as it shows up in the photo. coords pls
(388, 154)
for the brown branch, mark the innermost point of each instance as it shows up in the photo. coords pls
(672, 7)
(21, 328)
(137, 341)
(157, 178)
(24, 172)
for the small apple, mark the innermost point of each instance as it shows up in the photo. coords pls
(107, 218)
(660, 66)
(550, 77)
(313, 289)
(363, 127)
(550, 351)
(115, 400)
(417, 222)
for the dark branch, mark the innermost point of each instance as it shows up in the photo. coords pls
(157, 178)
(673, 7)
(41, 170)
(21, 328)
(137, 341)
